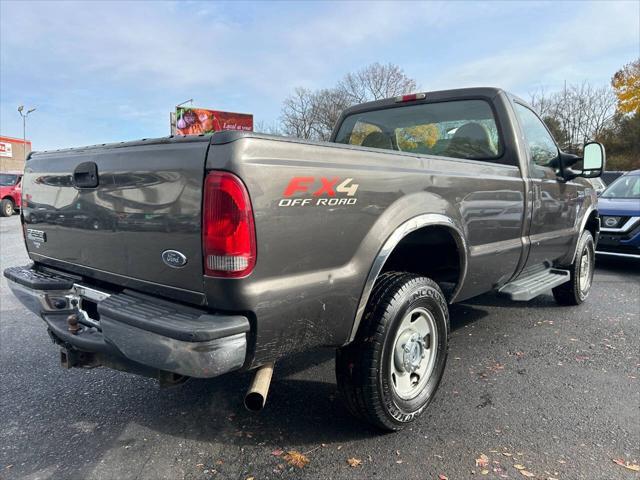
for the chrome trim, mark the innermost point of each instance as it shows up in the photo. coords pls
(194, 359)
(411, 225)
(628, 225)
(44, 301)
(614, 254)
(583, 225)
(38, 301)
(90, 293)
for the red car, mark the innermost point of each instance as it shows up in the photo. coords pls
(10, 192)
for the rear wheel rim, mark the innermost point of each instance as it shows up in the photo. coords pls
(8, 209)
(586, 270)
(414, 353)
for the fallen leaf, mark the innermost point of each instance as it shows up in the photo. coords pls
(398, 461)
(199, 465)
(354, 462)
(484, 472)
(277, 452)
(296, 459)
(219, 462)
(629, 466)
(482, 461)
(496, 367)
(442, 477)
(251, 478)
(519, 467)
(527, 474)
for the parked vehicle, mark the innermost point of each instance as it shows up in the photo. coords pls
(598, 185)
(609, 176)
(282, 245)
(619, 208)
(10, 192)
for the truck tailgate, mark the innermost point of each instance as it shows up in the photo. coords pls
(147, 201)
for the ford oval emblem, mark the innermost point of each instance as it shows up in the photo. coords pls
(174, 258)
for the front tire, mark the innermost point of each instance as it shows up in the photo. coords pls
(391, 371)
(6, 208)
(577, 289)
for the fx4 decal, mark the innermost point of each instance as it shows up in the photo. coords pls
(324, 191)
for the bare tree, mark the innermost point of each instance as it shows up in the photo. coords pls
(313, 114)
(328, 106)
(542, 102)
(298, 114)
(269, 128)
(579, 112)
(376, 82)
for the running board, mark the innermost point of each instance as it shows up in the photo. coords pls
(534, 284)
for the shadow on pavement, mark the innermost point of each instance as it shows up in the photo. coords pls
(618, 265)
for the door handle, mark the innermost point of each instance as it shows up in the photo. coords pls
(85, 175)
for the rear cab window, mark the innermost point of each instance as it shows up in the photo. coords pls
(464, 129)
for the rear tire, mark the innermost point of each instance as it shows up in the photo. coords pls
(577, 289)
(6, 208)
(391, 371)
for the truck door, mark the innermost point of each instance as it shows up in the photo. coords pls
(555, 202)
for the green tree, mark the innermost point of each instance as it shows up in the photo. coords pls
(622, 142)
(559, 133)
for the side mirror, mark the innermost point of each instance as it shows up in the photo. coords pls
(593, 160)
(592, 163)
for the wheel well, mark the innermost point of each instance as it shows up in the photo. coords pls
(592, 224)
(430, 251)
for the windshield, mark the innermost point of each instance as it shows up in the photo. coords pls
(627, 186)
(7, 179)
(459, 129)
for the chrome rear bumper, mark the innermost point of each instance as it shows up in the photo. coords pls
(147, 330)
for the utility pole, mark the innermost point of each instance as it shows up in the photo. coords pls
(24, 116)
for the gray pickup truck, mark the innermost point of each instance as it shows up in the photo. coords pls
(195, 256)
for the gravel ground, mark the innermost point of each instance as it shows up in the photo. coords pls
(552, 389)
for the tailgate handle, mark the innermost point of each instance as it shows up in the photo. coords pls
(86, 175)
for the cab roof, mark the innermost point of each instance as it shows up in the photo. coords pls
(439, 95)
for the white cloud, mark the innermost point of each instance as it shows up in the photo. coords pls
(574, 50)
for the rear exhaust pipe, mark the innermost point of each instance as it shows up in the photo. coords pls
(256, 396)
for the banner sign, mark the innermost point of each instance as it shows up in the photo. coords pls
(5, 150)
(195, 121)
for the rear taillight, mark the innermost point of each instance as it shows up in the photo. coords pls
(228, 231)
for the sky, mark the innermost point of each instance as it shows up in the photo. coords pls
(110, 71)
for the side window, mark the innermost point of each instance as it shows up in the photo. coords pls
(541, 145)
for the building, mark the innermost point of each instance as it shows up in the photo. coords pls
(13, 152)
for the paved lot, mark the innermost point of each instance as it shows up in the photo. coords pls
(553, 389)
